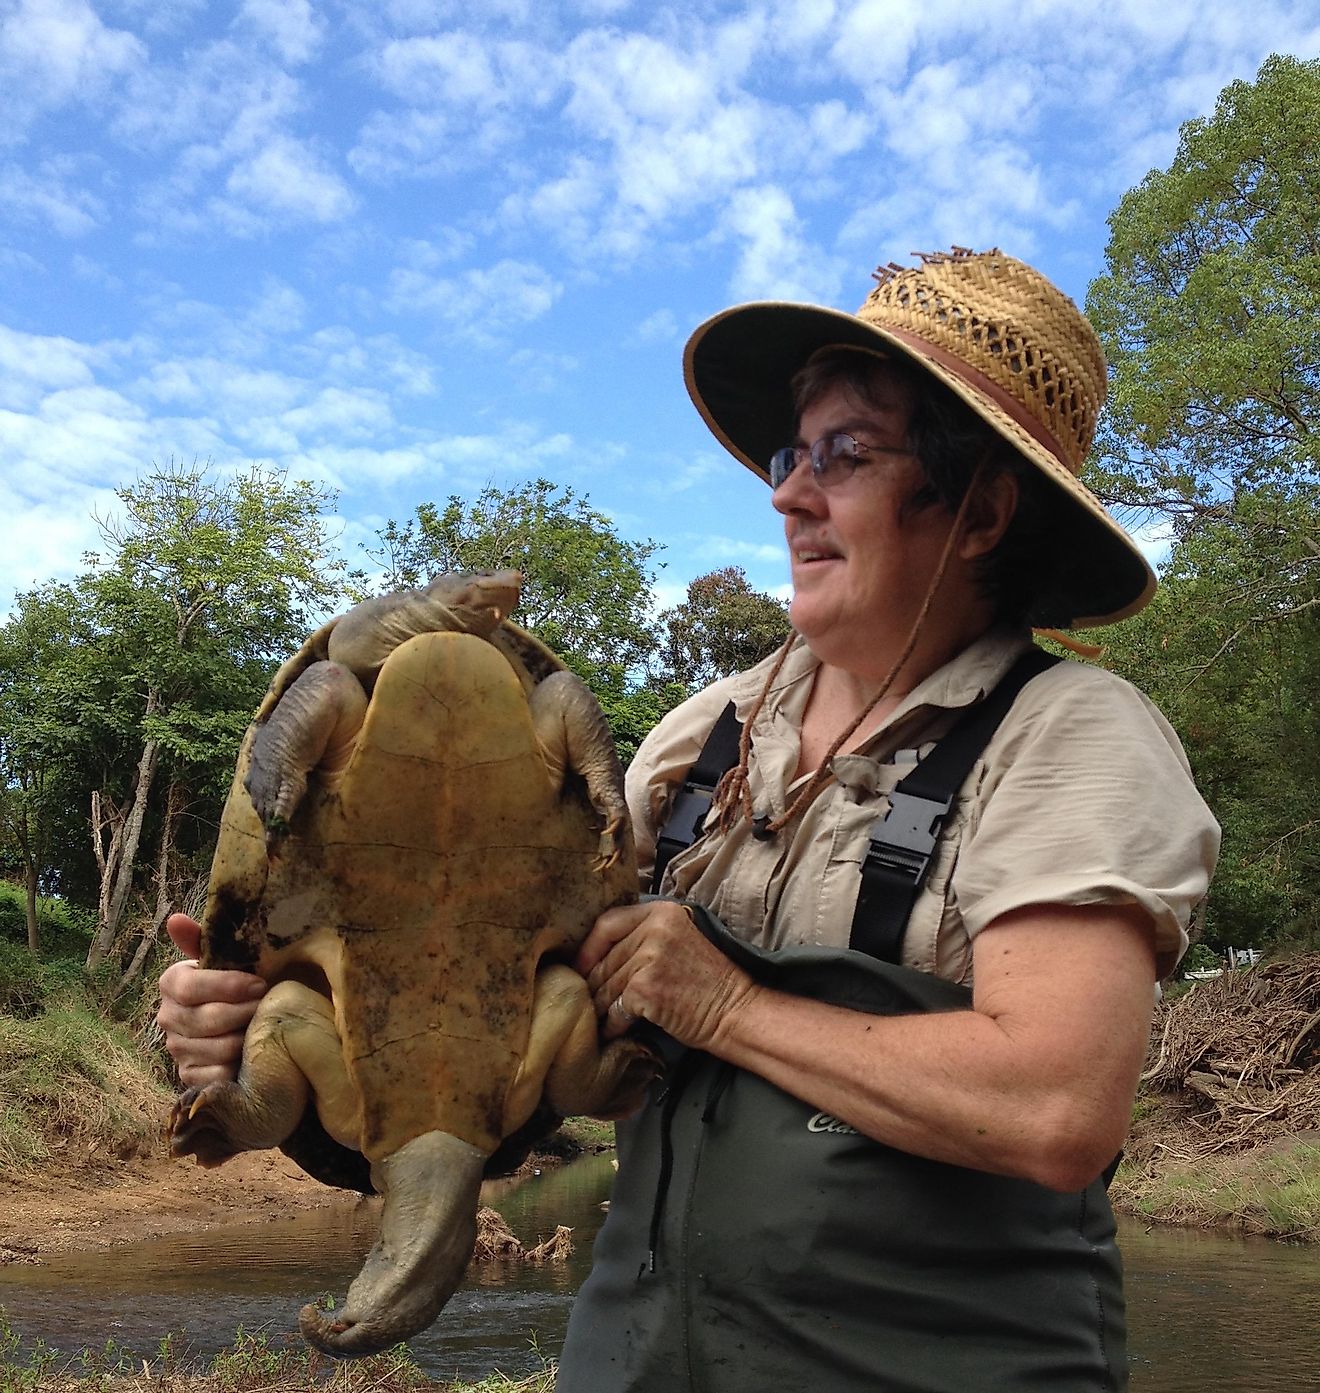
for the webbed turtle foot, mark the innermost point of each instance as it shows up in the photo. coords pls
(197, 1125)
(635, 1068)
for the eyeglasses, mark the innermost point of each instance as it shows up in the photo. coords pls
(833, 458)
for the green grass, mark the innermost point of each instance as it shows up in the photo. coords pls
(588, 1134)
(68, 1074)
(1276, 1193)
(252, 1364)
(63, 931)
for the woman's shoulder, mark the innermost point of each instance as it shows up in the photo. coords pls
(1075, 706)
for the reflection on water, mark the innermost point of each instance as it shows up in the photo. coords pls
(206, 1285)
(1208, 1314)
(1212, 1314)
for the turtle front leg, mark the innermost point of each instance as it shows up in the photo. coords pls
(291, 1053)
(574, 735)
(314, 725)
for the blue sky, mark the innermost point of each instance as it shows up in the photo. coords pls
(409, 247)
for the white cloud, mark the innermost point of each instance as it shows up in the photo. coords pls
(464, 98)
(539, 371)
(291, 26)
(32, 365)
(731, 550)
(58, 527)
(286, 177)
(440, 69)
(874, 39)
(57, 51)
(345, 415)
(219, 102)
(775, 261)
(661, 326)
(49, 195)
(93, 272)
(481, 302)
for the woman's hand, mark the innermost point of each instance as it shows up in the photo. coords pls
(650, 962)
(204, 1012)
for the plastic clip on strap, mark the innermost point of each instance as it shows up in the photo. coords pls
(903, 842)
(687, 816)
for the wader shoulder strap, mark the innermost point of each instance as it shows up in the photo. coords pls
(687, 817)
(902, 842)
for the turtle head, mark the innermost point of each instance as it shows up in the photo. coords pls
(478, 602)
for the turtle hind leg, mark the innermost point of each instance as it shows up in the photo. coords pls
(292, 1050)
(566, 1062)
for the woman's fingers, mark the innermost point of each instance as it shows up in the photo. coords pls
(609, 930)
(186, 934)
(204, 1012)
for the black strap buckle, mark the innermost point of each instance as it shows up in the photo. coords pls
(904, 840)
(686, 821)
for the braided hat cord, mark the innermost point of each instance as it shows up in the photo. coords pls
(732, 794)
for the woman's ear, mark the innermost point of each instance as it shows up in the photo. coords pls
(989, 514)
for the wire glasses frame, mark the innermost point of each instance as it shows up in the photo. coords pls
(832, 458)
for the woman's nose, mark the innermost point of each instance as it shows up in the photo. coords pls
(799, 493)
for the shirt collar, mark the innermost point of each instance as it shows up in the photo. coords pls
(964, 679)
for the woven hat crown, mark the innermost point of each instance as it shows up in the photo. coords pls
(1006, 323)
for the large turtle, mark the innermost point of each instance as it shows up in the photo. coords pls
(426, 818)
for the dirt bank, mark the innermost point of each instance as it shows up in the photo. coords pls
(86, 1202)
(1226, 1132)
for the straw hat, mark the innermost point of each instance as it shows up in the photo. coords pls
(1016, 349)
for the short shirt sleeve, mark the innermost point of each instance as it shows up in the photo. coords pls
(1086, 797)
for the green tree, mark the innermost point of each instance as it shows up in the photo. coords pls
(1209, 313)
(586, 590)
(42, 746)
(723, 626)
(1230, 651)
(209, 581)
(1210, 308)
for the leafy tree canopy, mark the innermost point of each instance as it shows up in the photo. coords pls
(723, 626)
(1210, 309)
(586, 590)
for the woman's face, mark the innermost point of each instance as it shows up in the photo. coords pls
(860, 565)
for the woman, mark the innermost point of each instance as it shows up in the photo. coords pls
(858, 1172)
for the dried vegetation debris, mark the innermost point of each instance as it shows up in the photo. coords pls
(496, 1240)
(1239, 1056)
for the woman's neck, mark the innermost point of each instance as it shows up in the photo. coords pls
(839, 696)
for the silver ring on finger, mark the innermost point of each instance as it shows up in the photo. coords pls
(620, 1012)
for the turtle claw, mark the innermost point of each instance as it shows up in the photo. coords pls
(613, 844)
(196, 1127)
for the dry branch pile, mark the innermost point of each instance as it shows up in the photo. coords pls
(1240, 1055)
(496, 1240)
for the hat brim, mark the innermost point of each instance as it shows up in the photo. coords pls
(739, 365)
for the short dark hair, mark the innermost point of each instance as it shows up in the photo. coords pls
(951, 441)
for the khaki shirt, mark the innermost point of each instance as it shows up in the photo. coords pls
(1082, 796)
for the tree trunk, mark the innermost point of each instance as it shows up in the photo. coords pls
(155, 926)
(22, 831)
(116, 862)
(30, 885)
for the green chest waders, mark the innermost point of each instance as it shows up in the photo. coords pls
(755, 1244)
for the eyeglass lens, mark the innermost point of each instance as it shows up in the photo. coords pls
(832, 457)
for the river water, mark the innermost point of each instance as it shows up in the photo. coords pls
(1207, 1313)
